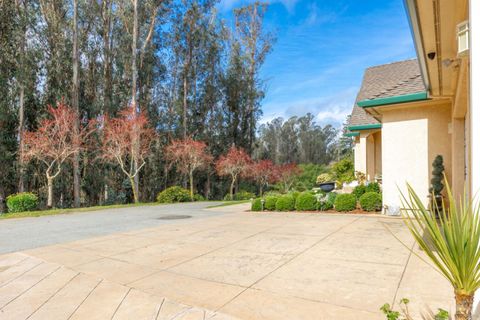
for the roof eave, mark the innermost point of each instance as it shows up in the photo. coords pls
(416, 31)
(368, 103)
(365, 127)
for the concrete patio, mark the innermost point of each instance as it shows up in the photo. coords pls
(238, 264)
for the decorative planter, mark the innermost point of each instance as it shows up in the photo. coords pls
(436, 204)
(327, 186)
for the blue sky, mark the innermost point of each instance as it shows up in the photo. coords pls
(322, 49)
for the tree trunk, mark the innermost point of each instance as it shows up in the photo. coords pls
(134, 190)
(107, 70)
(261, 190)
(231, 188)
(464, 303)
(50, 192)
(191, 185)
(21, 117)
(76, 156)
(134, 92)
(21, 107)
(185, 89)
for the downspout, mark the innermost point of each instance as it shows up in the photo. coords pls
(416, 31)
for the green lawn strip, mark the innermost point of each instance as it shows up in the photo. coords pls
(228, 203)
(50, 212)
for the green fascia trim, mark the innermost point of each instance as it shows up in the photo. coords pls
(352, 134)
(365, 127)
(393, 100)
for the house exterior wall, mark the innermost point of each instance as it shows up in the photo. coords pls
(367, 154)
(411, 139)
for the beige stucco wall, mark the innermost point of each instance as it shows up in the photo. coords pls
(411, 139)
(368, 153)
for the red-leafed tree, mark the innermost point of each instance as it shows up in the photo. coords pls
(126, 141)
(188, 155)
(234, 164)
(287, 174)
(55, 141)
(263, 172)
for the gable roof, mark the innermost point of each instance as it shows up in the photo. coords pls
(384, 81)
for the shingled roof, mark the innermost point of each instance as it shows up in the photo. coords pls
(388, 80)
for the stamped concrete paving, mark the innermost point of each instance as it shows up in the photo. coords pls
(240, 264)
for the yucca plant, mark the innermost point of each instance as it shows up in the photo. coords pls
(451, 241)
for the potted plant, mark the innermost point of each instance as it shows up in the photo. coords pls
(325, 182)
(436, 185)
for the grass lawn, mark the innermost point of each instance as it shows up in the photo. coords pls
(228, 203)
(50, 212)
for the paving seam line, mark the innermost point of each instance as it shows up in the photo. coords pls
(288, 261)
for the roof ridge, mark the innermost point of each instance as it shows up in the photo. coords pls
(390, 63)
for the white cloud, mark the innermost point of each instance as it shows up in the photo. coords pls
(331, 109)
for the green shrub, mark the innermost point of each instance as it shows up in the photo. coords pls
(327, 202)
(270, 202)
(198, 197)
(359, 190)
(295, 194)
(373, 187)
(240, 195)
(371, 201)
(345, 202)
(306, 202)
(173, 194)
(257, 204)
(24, 201)
(344, 170)
(285, 203)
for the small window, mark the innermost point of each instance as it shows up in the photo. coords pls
(462, 37)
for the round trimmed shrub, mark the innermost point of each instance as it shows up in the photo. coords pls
(257, 204)
(285, 203)
(174, 194)
(371, 201)
(306, 202)
(359, 190)
(25, 201)
(373, 187)
(345, 202)
(271, 202)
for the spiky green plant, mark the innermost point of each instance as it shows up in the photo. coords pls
(451, 241)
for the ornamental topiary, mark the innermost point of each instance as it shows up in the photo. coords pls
(437, 176)
(173, 194)
(24, 201)
(373, 187)
(257, 205)
(359, 190)
(371, 201)
(345, 202)
(270, 202)
(285, 203)
(306, 201)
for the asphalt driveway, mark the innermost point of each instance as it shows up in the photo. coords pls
(230, 264)
(27, 233)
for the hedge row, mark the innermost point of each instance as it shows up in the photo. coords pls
(307, 201)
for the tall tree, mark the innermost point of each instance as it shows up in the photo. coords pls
(256, 44)
(75, 89)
